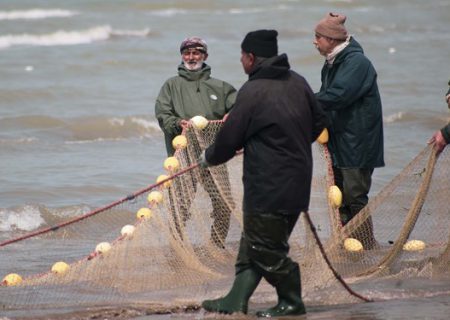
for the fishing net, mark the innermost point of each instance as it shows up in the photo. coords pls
(172, 244)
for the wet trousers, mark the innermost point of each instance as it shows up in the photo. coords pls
(264, 246)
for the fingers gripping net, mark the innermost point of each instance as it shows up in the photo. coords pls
(183, 235)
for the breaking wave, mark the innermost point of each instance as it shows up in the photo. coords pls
(64, 38)
(33, 14)
(77, 130)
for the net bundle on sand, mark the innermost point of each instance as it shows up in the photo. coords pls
(168, 246)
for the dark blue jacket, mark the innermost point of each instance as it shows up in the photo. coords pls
(446, 130)
(275, 119)
(350, 97)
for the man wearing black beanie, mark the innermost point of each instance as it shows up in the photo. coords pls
(275, 120)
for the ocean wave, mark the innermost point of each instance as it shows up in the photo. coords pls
(64, 38)
(26, 218)
(32, 217)
(33, 14)
(76, 130)
(111, 128)
(170, 12)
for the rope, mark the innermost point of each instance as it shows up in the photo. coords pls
(99, 210)
(410, 220)
(324, 255)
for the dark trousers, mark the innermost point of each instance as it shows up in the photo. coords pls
(183, 190)
(264, 246)
(355, 185)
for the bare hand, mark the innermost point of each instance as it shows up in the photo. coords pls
(438, 140)
(184, 124)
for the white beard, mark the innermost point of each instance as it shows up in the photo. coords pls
(193, 66)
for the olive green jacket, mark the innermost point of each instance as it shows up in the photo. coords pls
(189, 94)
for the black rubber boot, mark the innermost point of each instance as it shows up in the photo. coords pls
(236, 300)
(290, 301)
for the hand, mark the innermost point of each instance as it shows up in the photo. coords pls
(447, 99)
(438, 140)
(202, 160)
(225, 117)
(184, 124)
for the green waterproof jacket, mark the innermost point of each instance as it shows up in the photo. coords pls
(350, 97)
(189, 94)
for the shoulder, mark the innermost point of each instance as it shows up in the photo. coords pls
(220, 83)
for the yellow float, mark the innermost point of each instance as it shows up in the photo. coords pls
(199, 122)
(179, 142)
(171, 164)
(60, 267)
(12, 279)
(335, 196)
(144, 213)
(353, 245)
(323, 137)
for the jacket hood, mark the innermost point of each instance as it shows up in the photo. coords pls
(203, 73)
(271, 68)
(352, 47)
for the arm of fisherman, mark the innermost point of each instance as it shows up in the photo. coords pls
(353, 79)
(320, 119)
(232, 135)
(168, 119)
(439, 139)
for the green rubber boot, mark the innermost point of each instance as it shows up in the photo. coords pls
(236, 300)
(290, 301)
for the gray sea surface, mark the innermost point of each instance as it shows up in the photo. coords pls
(79, 80)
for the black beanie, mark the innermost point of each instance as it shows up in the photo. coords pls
(262, 43)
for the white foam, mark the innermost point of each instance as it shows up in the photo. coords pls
(145, 123)
(133, 33)
(27, 218)
(170, 12)
(62, 37)
(36, 14)
(394, 117)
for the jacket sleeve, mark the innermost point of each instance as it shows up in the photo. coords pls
(232, 135)
(319, 118)
(446, 133)
(354, 78)
(168, 119)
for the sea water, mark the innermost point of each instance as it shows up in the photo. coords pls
(79, 80)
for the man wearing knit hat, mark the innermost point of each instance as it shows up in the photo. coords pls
(350, 97)
(275, 120)
(191, 93)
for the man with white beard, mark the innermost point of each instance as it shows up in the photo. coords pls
(194, 92)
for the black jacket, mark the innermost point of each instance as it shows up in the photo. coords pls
(275, 119)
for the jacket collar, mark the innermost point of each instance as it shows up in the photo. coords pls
(271, 68)
(353, 46)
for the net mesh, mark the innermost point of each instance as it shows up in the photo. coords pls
(182, 247)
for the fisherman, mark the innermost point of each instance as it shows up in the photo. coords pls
(275, 120)
(350, 97)
(191, 93)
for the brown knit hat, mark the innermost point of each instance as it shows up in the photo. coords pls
(332, 26)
